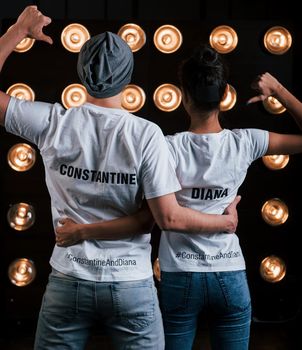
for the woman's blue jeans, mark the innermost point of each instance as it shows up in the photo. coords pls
(223, 296)
(127, 311)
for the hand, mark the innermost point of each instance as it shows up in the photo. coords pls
(266, 85)
(232, 211)
(68, 233)
(31, 22)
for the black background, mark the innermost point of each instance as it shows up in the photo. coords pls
(49, 69)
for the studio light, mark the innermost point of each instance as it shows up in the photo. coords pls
(21, 157)
(274, 212)
(275, 162)
(277, 40)
(272, 269)
(74, 95)
(21, 91)
(21, 216)
(223, 39)
(133, 98)
(156, 269)
(21, 272)
(134, 36)
(230, 100)
(167, 97)
(273, 106)
(167, 38)
(74, 36)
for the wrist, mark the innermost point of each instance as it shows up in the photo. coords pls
(81, 232)
(18, 31)
(230, 224)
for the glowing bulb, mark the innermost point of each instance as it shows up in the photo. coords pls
(223, 39)
(167, 97)
(274, 212)
(230, 99)
(272, 269)
(74, 36)
(133, 98)
(134, 36)
(21, 157)
(21, 272)
(21, 216)
(167, 39)
(275, 162)
(74, 95)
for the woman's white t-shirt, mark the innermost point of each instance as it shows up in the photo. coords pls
(210, 169)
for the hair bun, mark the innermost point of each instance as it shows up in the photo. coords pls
(207, 57)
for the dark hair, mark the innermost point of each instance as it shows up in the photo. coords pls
(203, 76)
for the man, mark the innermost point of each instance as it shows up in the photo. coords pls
(100, 162)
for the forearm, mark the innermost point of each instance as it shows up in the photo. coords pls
(290, 102)
(188, 220)
(169, 215)
(124, 227)
(9, 41)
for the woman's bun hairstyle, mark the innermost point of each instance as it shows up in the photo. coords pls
(203, 76)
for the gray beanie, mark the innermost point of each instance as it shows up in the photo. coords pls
(105, 65)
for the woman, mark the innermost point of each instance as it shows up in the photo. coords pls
(206, 272)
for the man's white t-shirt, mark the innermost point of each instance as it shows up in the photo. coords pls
(99, 164)
(210, 169)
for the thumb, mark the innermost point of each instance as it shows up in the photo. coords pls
(255, 99)
(62, 221)
(46, 38)
(237, 200)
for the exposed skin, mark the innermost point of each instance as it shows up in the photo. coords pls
(166, 211)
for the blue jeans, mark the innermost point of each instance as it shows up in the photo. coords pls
(127, 311)
(223, 296)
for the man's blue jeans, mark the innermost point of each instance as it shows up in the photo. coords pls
(127, 311)
(223, 296)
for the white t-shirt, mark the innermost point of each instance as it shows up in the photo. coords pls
(210, 169)
(99, 164)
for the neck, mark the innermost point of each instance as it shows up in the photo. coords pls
(205, 124)
(109, 102)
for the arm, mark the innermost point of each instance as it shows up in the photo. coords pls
(29, 24)
(169, 215)
(142, 222)
(71, 233)
(267, 85)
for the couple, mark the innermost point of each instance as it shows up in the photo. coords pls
(114, 173)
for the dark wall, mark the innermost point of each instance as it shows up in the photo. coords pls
(48, 69)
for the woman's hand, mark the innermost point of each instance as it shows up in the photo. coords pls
(266, 85)
(68, 233)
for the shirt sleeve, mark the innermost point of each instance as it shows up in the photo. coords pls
(257, 142)
(29, 120)
(158, 174)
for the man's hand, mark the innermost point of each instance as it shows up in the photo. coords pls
(68, 233)
(231, 210)
(31, 23)
(266, 85)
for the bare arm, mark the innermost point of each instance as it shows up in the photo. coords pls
(169, 215)
(267, 85)
(29, 24)
(71, 233)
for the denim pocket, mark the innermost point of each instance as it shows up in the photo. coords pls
(174, 289)
(134, 303)
(235, 289)
(60, 300)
